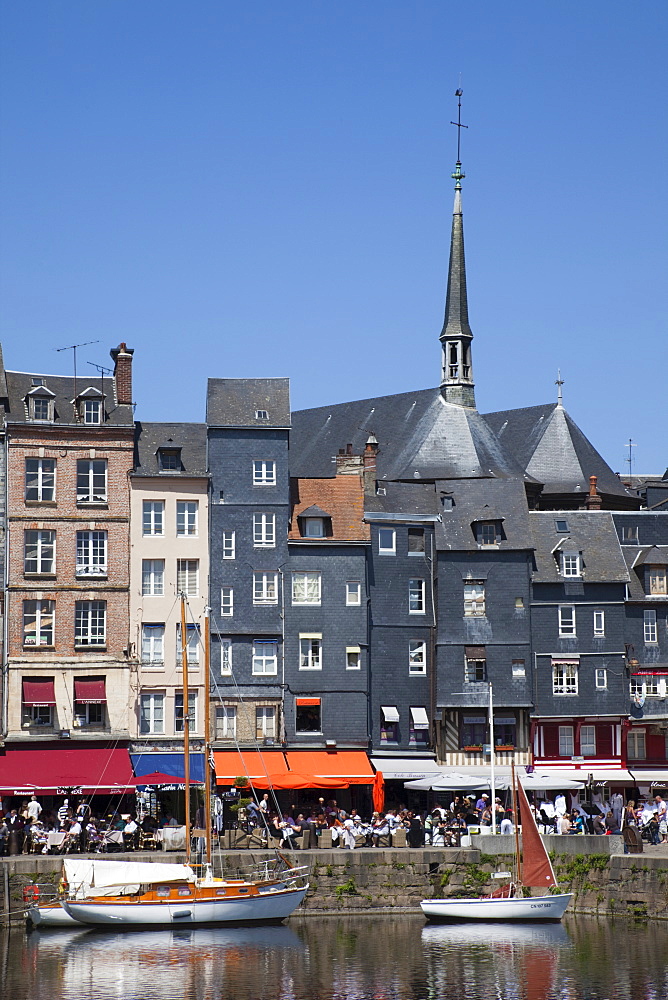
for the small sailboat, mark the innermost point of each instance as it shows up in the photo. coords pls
(533, 869)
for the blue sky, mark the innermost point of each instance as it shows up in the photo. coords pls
(264, 189)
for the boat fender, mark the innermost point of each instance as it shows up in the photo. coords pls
(182, 913)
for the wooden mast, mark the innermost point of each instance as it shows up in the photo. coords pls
(207, 735)
(518, 862)
(186, 722)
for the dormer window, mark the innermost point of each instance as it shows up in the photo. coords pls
(169, 459)
(262, 414)
(313, 527)
(571, 564)
(40, 402)
(92, 411)
(89, 406)
(658, 583)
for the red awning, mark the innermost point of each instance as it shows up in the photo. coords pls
(40, 693)
(308, 701)
(46, 769)
(351, 767)
(252, 764)
(89, 691)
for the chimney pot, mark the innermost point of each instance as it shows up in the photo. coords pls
(122, 356)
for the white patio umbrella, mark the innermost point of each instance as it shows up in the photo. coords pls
(447, 781)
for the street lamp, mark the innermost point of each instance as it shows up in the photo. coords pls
(492, 755)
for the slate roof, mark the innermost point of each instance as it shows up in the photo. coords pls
(61, 388)
(190, 438)
(636, 560)
(341, 498)
(418, 499)
(456, 321)
(590, 532)
(487, 500)
(233, 402)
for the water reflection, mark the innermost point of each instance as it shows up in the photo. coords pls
(342, 958)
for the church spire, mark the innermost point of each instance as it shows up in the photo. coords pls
(456, 336)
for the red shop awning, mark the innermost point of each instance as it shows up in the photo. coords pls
(47, 769)
(40, 693)
(89, 691)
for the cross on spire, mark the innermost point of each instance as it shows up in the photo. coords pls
(458, 174)
(559, 382)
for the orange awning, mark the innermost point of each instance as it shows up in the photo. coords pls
(252, 764)
(351, 767)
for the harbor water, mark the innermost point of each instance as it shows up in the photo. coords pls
(343, 958)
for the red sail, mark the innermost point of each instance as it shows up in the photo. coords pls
(536, 866)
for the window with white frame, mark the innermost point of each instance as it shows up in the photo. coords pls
(518, 669)
(226, 656)
(152, 713)
(629, 534)
(41, 407)
(262, 414)
(89, 713)
(91, 553)
(601, 678)
(153, 577)
(310, 652)
(599, 624)
(40, 480)
(416, 597)
(193, 644)
(657, 581)
(418, 726)
(265, 722)
(649, 626)
(306, 588)
(417, 657)
(353, 593)
(571, 564)
(635, 744)
(39, 552)
(353, 658)
(474, 598)
(153, 645)
(588, 741)
(187, 577)
(566, 741)
(38, 623)
(91, 480)
(90, 623)
(313, 527)
(229, 545)
(265, 588)
(226, 722)
(636, 688)
(264, 473)
(265, 656)
(153, 517)
(178, 711)
(226, 602)
(566, 620)
(186, 518)
(387, 541)
(92, 411)
(564, 677)
(264, 531)
(648, 685)
(38, 715)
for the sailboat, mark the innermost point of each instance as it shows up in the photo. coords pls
(145, 894)
(533, 868)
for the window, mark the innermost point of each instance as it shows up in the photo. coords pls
(353, 593)
(561, 526)
(566, 741)
(630, 534)
(229, 545)
(313, 527)
(169, 459)
(265, 722)
(571, 564)
(653, 685)
(264, 473)
(310, 652)
(657, 581)
(474, 731)
(226, 656)
(40, 480)
(186, 517)
(226, 722)
(601, 678)
(387, 541)
(91, 480)
(265, 656)
(306, 588)
(505, 731)
(486, 532)
(308, 716)
(636, 687)
(262, 414)
(226, 602)
(89, 713)
(153, 645)
(518, 669)
(418, 728)
(475, 664)
(41, 407)
(90, 620)
(178, 711)
(649, 622)
(152, 713)
(91, 553)
(353, 658)
(38, 623)
(40, 552)
(153, 517)
(416, 597)
(264, 530)
(192, 634)
(588, 741)
(417, 657)
(635, 744)
(416, 541)
(564, 678)
(92, 411)
(599, 623)
(265, 588)
(389, 724)
(153, 577)
(566, 620)
(187, 577)
(38, 715)
(474, 598)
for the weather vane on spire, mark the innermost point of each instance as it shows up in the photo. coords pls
(458, 174)
(559, 382)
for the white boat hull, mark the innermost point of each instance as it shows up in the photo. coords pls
(521, 908)
(50, 915)
(265, 907)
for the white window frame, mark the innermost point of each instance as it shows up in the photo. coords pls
(353, 658)
(92, 411)
(471, 668)
(417, 658)
(153, 644)
(353, 593)
(588, 741)
(152, 713)
(636, 744)
(387, 541)
(90, 624)
(153, 577)
(599, 624)
(41, 400)
(226, 722)
(43, 611)
(91, 553)
(601, 675)
(658, 582)
(265, 663)
(309, 583)
(226, 656)
(192, 711)
(92, 486)
(193, 637)
(566, 741)
(314, 527)
(264, 530)
(264, 472)
(226, 602)
(518, 668)
(571, 565)
(43, 481)
(265, 587)
(475, 604)
(153, 517)
(265, 722)
(566, 627)
(487, 534)
(416, 596)
(187, 518)
(44, 545)
(649, 627)
(187, 577)
(229, 545)
(565, 679)
(310, 651)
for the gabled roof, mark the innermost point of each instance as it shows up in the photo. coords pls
(189, 438)
(590, 532)
(654, 555)
(62, 390)
(234, 402)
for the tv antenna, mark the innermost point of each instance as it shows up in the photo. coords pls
(73, 348)
(631, 444)
(458, 123)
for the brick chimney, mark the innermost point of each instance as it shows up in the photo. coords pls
(369, 460)
(594, 500)
(122, 356)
